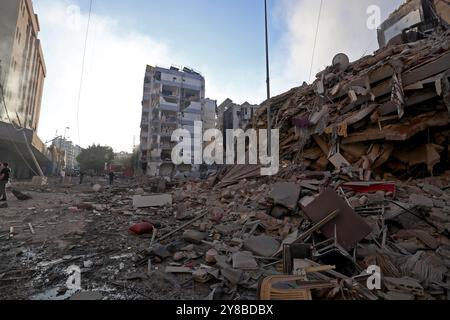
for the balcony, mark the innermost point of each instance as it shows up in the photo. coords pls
(165, 105)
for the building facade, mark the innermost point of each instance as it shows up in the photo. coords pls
(22, 63)
(173, 99)
(71, 152)
(22, 74)
(235, 116)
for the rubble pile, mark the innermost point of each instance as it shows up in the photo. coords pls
(246, 240)
(384, 114)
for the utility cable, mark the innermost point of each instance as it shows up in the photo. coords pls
(315, 39)
(82, 71)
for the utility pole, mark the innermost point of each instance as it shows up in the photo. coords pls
(269, 117)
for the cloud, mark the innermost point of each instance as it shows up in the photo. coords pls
(343, 28)
(110, 108)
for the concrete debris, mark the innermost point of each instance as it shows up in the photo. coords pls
(152, 201)
(263, 245)
(194, 236)
(211, 256)
(244, 261)
(20, 195)
(376, 129)
(97, 188)
(285, 194)
(421, 201)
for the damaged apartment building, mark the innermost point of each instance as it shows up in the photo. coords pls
(173, 99)
(22, 74)
(234, 116)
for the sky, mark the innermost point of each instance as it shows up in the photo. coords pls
(222, 39)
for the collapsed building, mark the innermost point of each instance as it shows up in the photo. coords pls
(381, 115)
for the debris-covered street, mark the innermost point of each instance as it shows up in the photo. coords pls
(220, 243)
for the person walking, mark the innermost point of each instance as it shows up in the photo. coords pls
(111, 178)
(5, 175)
(81, 177)
(62, 176)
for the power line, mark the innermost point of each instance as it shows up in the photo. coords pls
(82, 71)
(315, 39)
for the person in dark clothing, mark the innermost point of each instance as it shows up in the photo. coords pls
(5, 174)
(81, 177)
(111, 178)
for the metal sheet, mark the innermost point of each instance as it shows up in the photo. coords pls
(351, 228)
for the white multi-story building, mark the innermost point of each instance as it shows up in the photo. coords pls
(173, 99)
(71, 151)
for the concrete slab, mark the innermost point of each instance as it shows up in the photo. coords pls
(159, 200)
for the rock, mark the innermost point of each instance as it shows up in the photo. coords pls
(244, 261)
(286, 194)
(211, 256)
(188, 248)
(364, 200)
(201, 276)
(179, 256)
(263, 246)
(354, 202)
(279, 212)
(413, 190)
(88, 264)
(20, 195)
(160, 251)
(232, 275)
(158, 200)
(228, 228)
(439, 203)
(432, 190)
(139, 192)
(227, 194)
(194, 236)
(97, 188)
(86, 206)
(216, 214)
(421, 201)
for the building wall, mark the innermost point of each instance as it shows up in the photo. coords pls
(23, 65)
(71, 153)
(173, 99)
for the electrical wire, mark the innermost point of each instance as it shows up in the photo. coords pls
(315, 39)
(82, 71)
